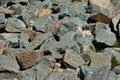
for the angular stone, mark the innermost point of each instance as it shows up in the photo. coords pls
(29, 58)
(115, 21)
(37, 41)
(2, 20)
(70, 74)
(55, 76)
(103, 72)
(28, 74)
(12, 40)
(100, 17)
(116, 69)
(24, 39)
(42, 23)
(99, 59)
(42, 71)
(118, 76)
(102, 3)
(48, 61)
(73, 59)
(107, 37)
(7, 64)
(2, 46)
(14, 25)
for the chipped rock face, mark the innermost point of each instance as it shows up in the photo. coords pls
(29, 58)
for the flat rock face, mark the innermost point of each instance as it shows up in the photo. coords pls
(106, 37)
(15, 25)
(73, 59)
(29, 58)
(8, 65)
(101, 3)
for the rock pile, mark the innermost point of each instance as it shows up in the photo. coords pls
(60, 40)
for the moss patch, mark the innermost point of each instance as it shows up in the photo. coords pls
(114, 62)
(117, 43)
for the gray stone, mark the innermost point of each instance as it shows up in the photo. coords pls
(9, 79)
(103, 72)
(42, 71)
(67, 10)
(70, 74)
(23, 40)
(17, 9)
(116, 69)
(73, 59)
(106, 37)
(28, 74)
(37, 41)
(43, 23)
(2, 20)
(8, 64)
(12, 40)
(99, 59)
(55, 76)
(14, 25)
(119, 77)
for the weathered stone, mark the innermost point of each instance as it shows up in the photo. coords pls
(48, 61)
(37, 41)
(24, 39)
(116, 69)
(107, 37)
(100, 17)
(55, 76)
(7, 64)
(29, 58)
(73, 59)
(12, 40)
(66, 10)
(102, 3)
(42, 71)
(70, 74)
(92, 74)
(2, 46)
(118, 76)
(115, 21)
(9, 79)
(99, 59)
(28, 74)
(42, 23)
(14, 25)
(2, 20)
(17, 8)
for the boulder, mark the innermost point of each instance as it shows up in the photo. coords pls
(116, 69)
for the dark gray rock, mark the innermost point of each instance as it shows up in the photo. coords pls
(2, 20)
(8, 64)
(43, 23)
(103, 72)
(107, 37)
(14, 25)
(37, 41)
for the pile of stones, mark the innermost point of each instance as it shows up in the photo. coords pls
(60, 40)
